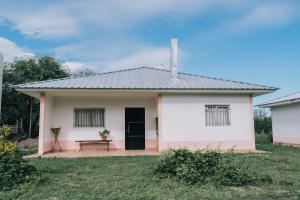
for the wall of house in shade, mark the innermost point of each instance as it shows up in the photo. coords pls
(59, 112)
(183, 122)
(286, 124)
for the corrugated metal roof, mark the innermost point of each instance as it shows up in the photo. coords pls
(143, 78)
(292, 98)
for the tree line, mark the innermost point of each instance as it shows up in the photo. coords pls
(21, 108)
(262, 121)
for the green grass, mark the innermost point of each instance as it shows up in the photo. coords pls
(131, 178)
(263, 138)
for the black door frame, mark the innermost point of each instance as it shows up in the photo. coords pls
(127, 146)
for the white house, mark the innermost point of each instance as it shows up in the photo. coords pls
(147, 108)
(285, 119)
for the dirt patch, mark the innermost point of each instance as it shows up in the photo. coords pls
(28, 144)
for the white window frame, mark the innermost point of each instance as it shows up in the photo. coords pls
(74, 117)
(217, 117)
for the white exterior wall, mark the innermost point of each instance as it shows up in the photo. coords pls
(183, 123)
(286, 124)
(62, 116)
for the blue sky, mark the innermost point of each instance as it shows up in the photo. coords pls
(253, 41)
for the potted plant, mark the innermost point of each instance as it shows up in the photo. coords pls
(104, 134)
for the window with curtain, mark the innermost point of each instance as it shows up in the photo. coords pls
(217, 115)
(88, 117)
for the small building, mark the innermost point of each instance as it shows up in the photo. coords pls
(147, 108)
(285, 119)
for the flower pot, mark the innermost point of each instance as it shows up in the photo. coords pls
(103, 137)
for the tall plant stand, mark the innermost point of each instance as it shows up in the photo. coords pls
(55, 132)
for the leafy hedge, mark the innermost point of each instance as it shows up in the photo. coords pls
(206, 167)
(14, 170)
(263, 138)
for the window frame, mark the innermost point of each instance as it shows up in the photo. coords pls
(104, 116)
(213, 124)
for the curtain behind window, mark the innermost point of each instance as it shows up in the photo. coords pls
(217, 115)
(89, 117)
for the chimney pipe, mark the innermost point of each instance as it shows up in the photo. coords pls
(174, 58)
(1, 79)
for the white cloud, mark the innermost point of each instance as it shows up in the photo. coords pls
(77, 50)
(147, 56)
(137, 55)
(60, 19)
(119, 49)
(47, 23)
(75, 66)
(116, 12)
(264, 15)
(108, 55)
(11, 51)
(42, 22)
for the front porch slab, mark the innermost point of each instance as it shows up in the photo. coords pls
(95, 153)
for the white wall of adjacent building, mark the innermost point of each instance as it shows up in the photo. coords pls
(286, 124)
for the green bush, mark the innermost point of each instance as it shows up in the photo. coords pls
(206, 166)
(263, 138)
(232, 173)
(262, 121)
(13, 169)
(170, 161)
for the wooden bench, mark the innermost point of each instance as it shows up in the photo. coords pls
(81, 142)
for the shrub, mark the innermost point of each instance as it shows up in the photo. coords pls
(13, 169)
(171, 161)
(230, 173)
(206, 166)
(263, 138)
(5, 145)
(262, 121)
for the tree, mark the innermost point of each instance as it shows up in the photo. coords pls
(85, 72)
(262, 121)
(17, 106)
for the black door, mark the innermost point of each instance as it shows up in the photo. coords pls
(134, 128)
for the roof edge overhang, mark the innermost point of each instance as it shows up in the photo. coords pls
(35, 92)
(279, 103)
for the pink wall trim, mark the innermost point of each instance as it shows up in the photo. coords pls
(201, 145)
(115, 144)
(252, 121)
(159, 113)
(151, 144)
(295, 141)
(42, 124)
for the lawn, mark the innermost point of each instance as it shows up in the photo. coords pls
(131, 178)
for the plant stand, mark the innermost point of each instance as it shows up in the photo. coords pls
(55, 132)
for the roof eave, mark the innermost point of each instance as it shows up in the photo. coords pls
(280, 103)
(254, 92)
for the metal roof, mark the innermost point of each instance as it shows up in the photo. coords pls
(143, 78)
(289, 99)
